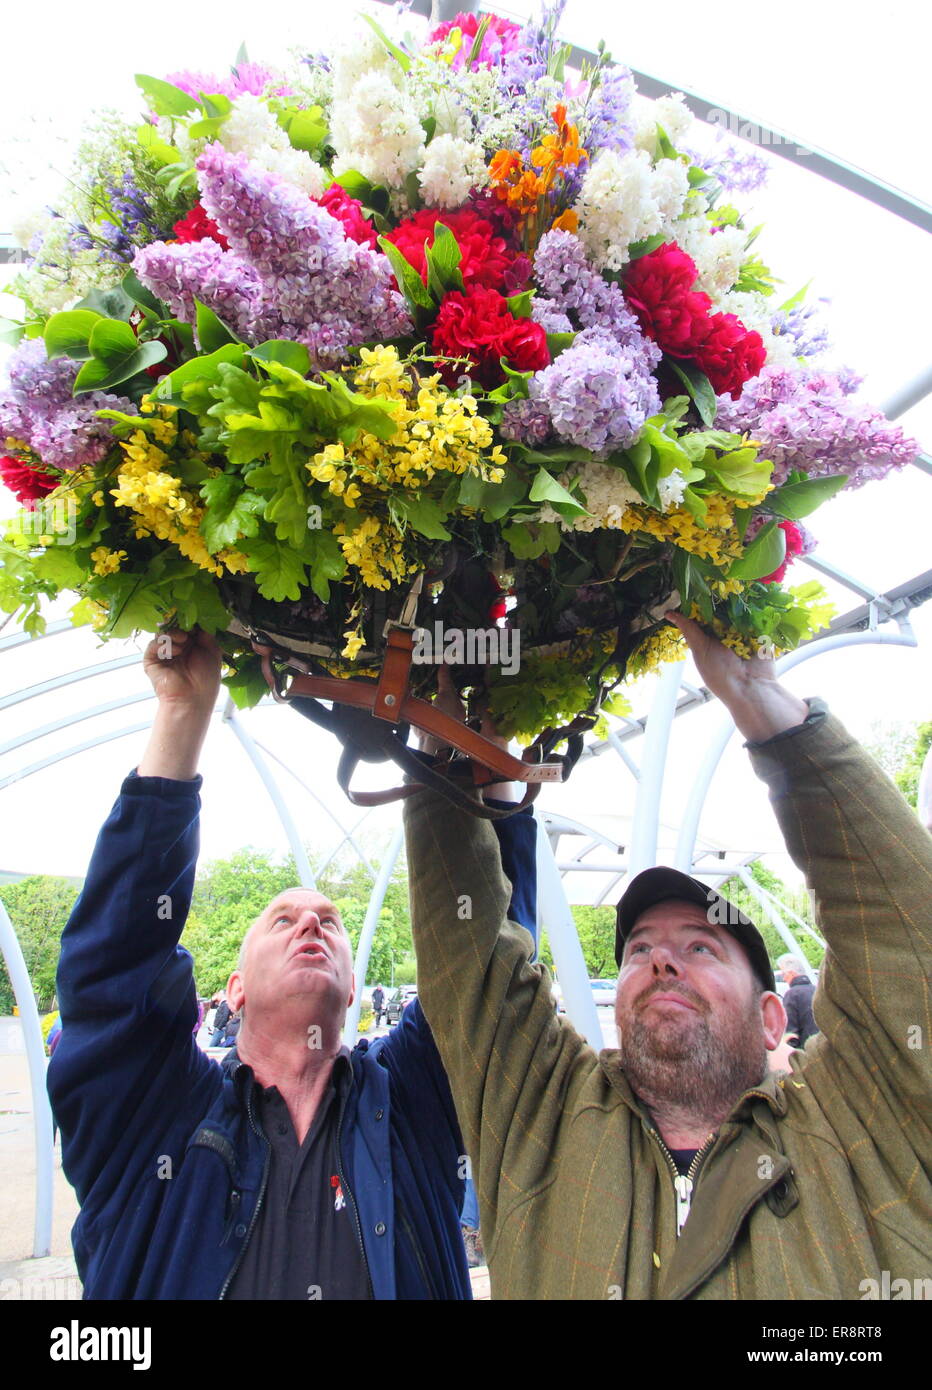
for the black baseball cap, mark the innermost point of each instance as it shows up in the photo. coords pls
(661, 884)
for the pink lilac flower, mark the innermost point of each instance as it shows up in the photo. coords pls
(807, 420)
(245, 77)
(597, 393)
(38, 409)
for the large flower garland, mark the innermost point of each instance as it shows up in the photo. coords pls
(444, 310)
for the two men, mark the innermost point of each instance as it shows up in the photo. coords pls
(295, 1169)
(677, 1167)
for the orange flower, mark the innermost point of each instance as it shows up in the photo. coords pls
(566, 222)
(505, 166)
(514, 184)
(558, 151)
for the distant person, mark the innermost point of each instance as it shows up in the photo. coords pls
(800, 1024)
(221, 1018)
(378, 1003)
(231, 1030)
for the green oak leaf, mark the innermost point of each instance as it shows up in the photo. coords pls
(279, 573)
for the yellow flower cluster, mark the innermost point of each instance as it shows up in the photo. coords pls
(730, 637)
(376, 551)
(436, 432)
(717, 540)
(662, 646)
(107, 561)
(161, 506)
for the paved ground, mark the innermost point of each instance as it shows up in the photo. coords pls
(21, 1275)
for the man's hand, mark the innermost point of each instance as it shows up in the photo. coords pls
(184, 668)
(760, 706)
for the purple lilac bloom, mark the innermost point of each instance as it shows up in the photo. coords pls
(571, 287)
(608, 113)
(39, 410)
(808, 338)
(526, 421)
(181, 272)
(806, 420)
(135, 223)
(291, 272)
(598, 393)
(246, 77)
(738, 168)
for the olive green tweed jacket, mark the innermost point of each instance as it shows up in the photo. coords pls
(815, 1185)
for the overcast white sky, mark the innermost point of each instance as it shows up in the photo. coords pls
(849, 79)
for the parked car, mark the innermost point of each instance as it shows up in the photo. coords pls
(399, 1001)
(603, 992)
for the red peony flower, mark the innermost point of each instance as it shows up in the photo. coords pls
(486, 258)
(27, 484)
(795, 545)
(658, 288)
(479, 325)
(349, 211)
(197, 226)
(729, 354)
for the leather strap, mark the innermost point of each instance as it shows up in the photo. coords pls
(383, 734)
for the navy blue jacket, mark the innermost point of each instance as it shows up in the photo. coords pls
(162, 1144)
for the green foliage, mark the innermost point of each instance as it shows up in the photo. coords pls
(596, 929)
(900, 749)
(38, 907)
(797, 900)
(907, 778)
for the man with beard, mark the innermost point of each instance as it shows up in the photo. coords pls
(676, 1167)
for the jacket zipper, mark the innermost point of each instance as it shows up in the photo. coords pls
(265, 1177)
(352, 1200)
(683, 1184)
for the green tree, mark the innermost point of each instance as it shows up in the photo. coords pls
(797, 900)
(38, 907)
(907, 775)
(595, 927)
(350, 890)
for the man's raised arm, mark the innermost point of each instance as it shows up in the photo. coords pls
(127, 1058)
(491, 1011)
(867, 861)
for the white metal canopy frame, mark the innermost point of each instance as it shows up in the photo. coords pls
(880, 619)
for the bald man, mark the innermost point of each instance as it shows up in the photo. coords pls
(294, 1169)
